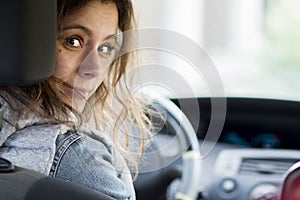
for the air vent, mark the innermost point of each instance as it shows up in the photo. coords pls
(254, 166)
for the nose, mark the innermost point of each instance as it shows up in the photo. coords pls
(90, 66)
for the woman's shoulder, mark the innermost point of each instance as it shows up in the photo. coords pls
(90, 162)
(83, 144)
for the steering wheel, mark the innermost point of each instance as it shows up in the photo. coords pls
(173, 157)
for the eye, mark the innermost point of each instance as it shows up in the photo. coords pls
(106, 50)
(74, 42)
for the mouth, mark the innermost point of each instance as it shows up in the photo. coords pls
(78, 92)
(83, 93)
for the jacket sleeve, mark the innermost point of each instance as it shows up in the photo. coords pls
(89, 162)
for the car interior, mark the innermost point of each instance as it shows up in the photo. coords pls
(213, 148)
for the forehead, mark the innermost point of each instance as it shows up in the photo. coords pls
(96, 16)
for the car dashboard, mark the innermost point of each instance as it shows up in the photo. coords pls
(250, 157)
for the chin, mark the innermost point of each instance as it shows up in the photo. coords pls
(78, 104)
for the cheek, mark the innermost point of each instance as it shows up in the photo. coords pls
(58, 63)
(65, 66)
(101, 78)
(104, 74)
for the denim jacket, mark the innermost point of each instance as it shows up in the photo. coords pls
(86, 156)
(89, 162)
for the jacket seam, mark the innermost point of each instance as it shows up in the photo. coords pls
(67, 142)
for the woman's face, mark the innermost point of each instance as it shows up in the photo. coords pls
(85, 46)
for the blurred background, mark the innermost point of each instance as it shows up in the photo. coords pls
(254, 44)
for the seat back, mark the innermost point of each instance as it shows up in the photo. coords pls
(28, 34)
(291, 184)
(23, 184)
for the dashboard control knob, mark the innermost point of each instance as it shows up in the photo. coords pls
(228, 185)
(264, 191)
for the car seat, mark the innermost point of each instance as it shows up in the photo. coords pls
(27, 52)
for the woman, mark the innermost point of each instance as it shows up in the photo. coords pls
(83, 123)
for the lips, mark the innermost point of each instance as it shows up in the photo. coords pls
(83, 93)
(78, 92)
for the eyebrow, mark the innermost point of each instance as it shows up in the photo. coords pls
(83, 28)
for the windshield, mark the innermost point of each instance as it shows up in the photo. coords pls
(253, 44)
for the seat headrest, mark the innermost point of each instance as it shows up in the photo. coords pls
(28, 35)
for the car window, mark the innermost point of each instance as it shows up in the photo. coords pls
(253, 44)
